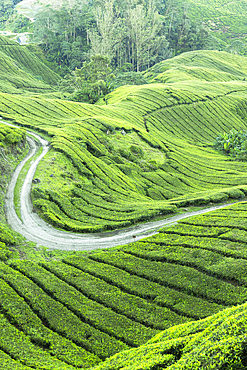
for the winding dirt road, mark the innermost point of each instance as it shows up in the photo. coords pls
(34, 229)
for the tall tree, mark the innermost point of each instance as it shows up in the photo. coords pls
(146, 36)
(132, 33)
(183, 34)
(62, 33)
(103, 37)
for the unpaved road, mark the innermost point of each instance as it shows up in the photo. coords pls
(34, 229)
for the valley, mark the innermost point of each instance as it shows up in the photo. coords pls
(86, 294)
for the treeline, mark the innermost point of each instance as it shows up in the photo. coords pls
(133, 34)
(98, 45)
(7, 15)
(7, 9)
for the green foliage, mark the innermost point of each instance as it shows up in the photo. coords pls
(38, 333)
(91, 81)
(102, 182)
(234, 144)
(97, 315)
(129, 293)
(22, 72)
(126, 33)
(11, 136)
(61, 320)
(6, 11)
(139, 34)
(127, 78)
(14, 342)
(168, 306)
(224, 21)
(199, 65)
(62, 33)
(218, 341)
(12, 149)
(184, 34)
(143, 154)
(82, 310)
(178, 277)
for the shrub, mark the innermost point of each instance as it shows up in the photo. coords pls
(136, 150)
(234, 144)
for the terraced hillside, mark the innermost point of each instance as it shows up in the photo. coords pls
(77, 312)
(226, 18)
(143, 152)
(218, 342)
(22, 72)
(211, 66)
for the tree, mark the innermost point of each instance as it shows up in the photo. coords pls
(146, 33)
(140, 32)
(183, 34)
(62, 33)
(131, 33)
(128, 78)
(7, 10)
(91, 81)
(103, 37)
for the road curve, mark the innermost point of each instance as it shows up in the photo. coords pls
(34, 229)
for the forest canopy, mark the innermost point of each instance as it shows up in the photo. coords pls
(140, 33)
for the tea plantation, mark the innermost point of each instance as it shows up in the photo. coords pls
(22, 72)
(142, 152)
(226, 19)
(176, 300)
(81, 310)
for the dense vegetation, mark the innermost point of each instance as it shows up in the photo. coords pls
(142, 151)
(132, 34)
(7, 11)
(22, 72)
(140, 33)
(12, 148)
(233, 143)
(79, 311)
(135, 155)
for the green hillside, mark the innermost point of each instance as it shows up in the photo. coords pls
(81, 310)
(222, 16)
(22, 72)
(13, 148)
(224, 20)
(144, 152)
(175, 300)
(200, 65)
(218, 342)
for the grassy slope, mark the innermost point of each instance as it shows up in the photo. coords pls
(22, 72)
(76, 311)
(201, 65)
(13, 148)
(218, 342)
(221, 15)
(79, 311)
(95, 178)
